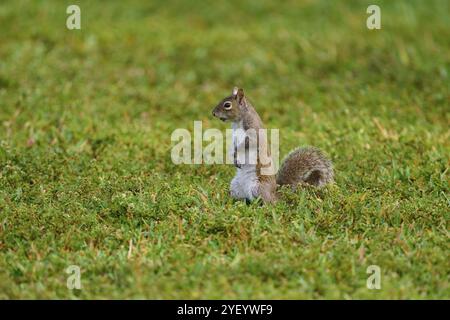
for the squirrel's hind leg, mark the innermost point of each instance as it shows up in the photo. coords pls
(267, 192)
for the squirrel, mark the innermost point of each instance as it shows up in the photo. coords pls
(306, 165)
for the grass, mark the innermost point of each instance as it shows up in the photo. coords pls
(86, 177)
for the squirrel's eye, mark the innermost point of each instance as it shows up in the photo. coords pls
(227, 105)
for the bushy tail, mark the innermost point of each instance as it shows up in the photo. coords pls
(305, 165)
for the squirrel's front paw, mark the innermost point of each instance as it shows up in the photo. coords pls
(235, 161)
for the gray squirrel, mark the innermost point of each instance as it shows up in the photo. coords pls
(307, 165)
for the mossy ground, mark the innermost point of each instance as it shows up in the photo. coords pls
(86, 176)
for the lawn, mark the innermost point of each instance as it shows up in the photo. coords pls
(86, 176)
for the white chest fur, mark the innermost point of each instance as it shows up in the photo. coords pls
(238, 133)
(245, 183)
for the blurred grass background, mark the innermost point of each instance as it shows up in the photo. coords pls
(86, 177)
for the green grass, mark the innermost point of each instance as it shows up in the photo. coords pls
(85, 124)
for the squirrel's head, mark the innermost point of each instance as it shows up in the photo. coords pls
(232, 107)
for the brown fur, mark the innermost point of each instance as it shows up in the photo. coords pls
(305, 165)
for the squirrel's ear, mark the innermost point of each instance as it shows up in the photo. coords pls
(240, 95)
(235, 92)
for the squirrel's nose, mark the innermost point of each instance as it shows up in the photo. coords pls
(213, 113)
